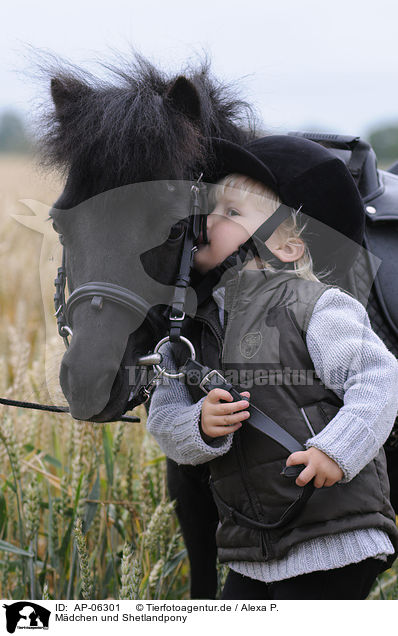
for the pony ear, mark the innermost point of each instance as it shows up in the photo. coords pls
(65, 92)
(60, 93)
(185, 97)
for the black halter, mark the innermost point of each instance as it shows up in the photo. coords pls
(99, 292)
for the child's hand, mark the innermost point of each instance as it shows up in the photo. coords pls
(219, 418)
(318, 465)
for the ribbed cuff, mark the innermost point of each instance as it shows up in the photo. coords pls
(349, 442)
(189, 442)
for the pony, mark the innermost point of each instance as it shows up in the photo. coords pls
(129, 148)
(127, 145)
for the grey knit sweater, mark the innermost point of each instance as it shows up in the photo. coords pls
(352, 361)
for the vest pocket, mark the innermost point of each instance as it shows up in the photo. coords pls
(317, 416)
(307, 422)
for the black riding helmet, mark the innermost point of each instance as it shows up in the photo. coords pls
(308, 177)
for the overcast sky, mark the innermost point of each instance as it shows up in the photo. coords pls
(330, 65)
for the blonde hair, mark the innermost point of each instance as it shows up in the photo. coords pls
(268, 201)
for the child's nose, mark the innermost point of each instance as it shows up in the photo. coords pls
(209, 222)
(212, 219)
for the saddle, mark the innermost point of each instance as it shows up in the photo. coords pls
(379, 191)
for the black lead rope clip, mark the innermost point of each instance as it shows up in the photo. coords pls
(292, 471)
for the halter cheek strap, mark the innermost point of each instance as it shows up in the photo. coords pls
(256, 242)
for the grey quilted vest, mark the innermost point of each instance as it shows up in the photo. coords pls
(264, 351)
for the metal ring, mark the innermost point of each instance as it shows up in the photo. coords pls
(168, 374)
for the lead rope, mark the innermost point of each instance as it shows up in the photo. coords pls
(56, 409)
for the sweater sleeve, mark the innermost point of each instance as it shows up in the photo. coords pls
(173, 420)
(352, 361)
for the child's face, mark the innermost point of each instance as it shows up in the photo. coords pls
(234, 219)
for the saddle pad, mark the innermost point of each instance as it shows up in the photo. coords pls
(381, 239)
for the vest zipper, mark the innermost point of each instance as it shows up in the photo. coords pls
(214, 328)
(308, 423)
(234, 285)
(264, 546)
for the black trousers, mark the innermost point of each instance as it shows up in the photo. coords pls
(198, 517)
(353, 582)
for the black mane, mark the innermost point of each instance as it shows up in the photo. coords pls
(139, 124)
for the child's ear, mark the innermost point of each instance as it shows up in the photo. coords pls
(290, 251)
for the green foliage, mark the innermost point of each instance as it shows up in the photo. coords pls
(384, 141)
(97, 524)
(386, 586)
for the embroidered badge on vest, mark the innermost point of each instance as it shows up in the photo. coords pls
(250, 344)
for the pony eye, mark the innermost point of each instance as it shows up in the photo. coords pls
(233, 212)
(176, 231)
(59, 232)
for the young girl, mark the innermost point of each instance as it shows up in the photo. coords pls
(283, 325)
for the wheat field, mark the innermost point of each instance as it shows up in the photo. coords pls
(84, 511)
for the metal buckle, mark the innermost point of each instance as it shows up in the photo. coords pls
(207, 377)
(179, 318)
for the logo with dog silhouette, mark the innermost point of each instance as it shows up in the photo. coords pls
(26, 615)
